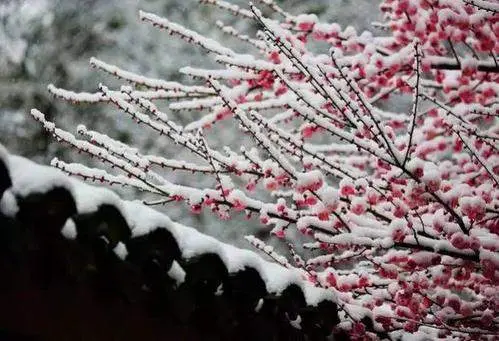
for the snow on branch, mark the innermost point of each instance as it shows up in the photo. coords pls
(149, 82)
(96, 97)
(234, 9)
(484, 5)
(191, 36)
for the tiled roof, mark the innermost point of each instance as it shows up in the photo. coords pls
(64, 241)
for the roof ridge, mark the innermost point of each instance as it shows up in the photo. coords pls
(98, 219)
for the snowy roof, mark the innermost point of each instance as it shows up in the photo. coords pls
(136, 236)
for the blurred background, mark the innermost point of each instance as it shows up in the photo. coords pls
(51, 41)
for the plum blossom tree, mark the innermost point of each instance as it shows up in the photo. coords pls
(401, 209)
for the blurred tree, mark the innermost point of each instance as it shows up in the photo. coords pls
(44, 42)
(51, 41)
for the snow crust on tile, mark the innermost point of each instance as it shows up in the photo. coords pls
(4, 155)
(177, 273)
(192, 243)
(120, 251)
(69, 229)
(29, 177)
(8, 204)
(88, 198)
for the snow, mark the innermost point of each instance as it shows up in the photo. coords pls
(69, 229)
(73, 96)
(139, 79)
(259, 305)
(4, 155)
(120, 250)
(224, 74)
(231, 8)
(220, 290)
(383, 310)
(88, 198)
(207, 43)
(29, 177)
(490, 256)
(296, 323)
(8, 204)
(193, 243)
(312, 180)
(177, 273)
